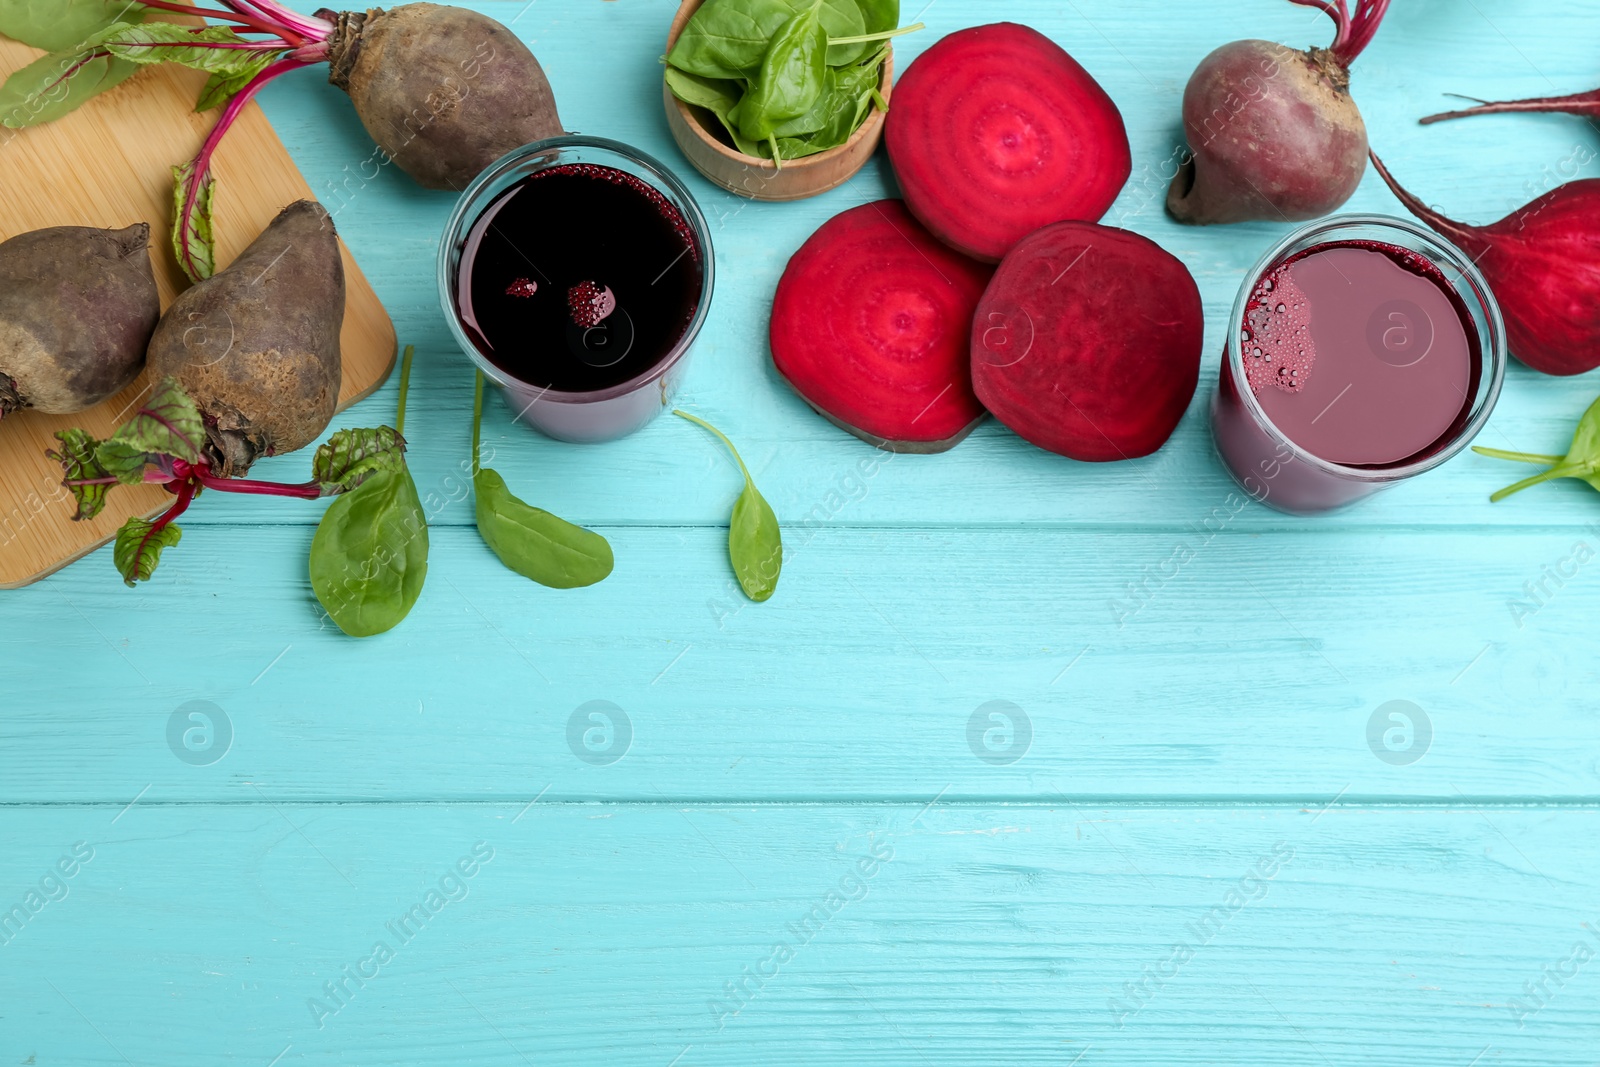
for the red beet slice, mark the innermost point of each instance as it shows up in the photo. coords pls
(995, 131)
(1087, 342)
(870, 325)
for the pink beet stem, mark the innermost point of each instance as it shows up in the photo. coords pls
(1356, 31)
(1463, 235)
(311, 27)
(242, 18)
(1586, 104)
(201, 167)
(185, 490)
(306, 491)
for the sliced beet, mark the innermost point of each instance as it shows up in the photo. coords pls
(995, 131)
(1087, 342)
(870, 325)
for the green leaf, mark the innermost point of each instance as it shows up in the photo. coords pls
(1582, 460)
(791, 75)
(729, 38)
(535, 543)
(54, 85)
(838, 113)
(63, 25)
(349, 457)
(78, 463)
(168, 425)
(223, 85)
(369, 556)
(879, 15)
(193, 243)
(169, 42)
(755, 543)
(718, 95)
(138, 548)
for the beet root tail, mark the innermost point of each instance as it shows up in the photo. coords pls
(1584, 104)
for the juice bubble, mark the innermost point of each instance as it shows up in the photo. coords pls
(1280, 353)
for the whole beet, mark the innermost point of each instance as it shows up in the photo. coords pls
(77, 306)
(256, 346)
(1273, 132)
(443, 91)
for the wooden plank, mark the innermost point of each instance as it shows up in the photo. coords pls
(109, 164)
(1243, 666)
(916, 934)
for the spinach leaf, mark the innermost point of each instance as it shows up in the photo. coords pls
(720, 96)
(528, 540)
(63, 25)
(879, 15)
(535, 543)
(755, 544)
(791, 76)
(57, 84)
(729, 38)
(1582, 460)
(369, 557)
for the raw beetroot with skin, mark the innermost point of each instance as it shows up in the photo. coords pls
(444, 91)
(256, 346)
(77, 307)
(996, 131)
(1543, 263)
(1087, 342)
(1273, 132)
(870, 326)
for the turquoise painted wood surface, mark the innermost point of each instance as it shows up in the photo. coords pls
(791, 851)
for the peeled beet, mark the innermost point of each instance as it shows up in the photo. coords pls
(995, 131)
(1087, 342)
(77, 306)
(443, 91)
(256, 346)
(1542, 262)
(1273, 132)
(870, 326)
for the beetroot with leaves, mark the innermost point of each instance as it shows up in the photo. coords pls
(443, 90)
(1543, 263)
(77, 306)
(1273, 132)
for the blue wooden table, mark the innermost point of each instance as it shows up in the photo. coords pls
(793, 833)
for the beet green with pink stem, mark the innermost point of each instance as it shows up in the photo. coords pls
(442, 90)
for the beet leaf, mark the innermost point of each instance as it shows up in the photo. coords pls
(87, 480)
(62, 25)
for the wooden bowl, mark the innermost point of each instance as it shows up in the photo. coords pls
(695, 129)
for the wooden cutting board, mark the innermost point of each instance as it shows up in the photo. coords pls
(109, 164)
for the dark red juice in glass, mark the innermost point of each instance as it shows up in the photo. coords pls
(1357, 361)
(1361, 353)
(578, 278)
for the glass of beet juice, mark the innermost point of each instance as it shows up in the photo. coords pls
(1363, 350)
(576, 273)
